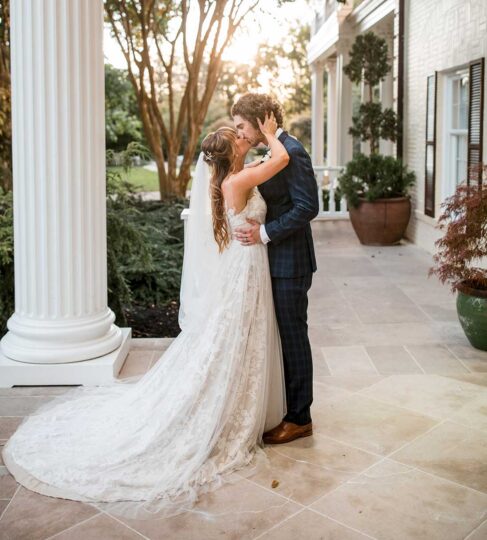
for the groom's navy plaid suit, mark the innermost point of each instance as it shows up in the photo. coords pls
(292, 202)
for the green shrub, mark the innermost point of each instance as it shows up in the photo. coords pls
(164, 236)
(144, 250)
(375, 177)
(369, 64)
(6, 259)
(145, 245)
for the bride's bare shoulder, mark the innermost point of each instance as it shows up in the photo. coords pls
(235, 197)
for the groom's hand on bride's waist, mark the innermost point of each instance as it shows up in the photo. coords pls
(248, 235)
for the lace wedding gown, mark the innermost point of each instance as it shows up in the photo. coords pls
(195, 417)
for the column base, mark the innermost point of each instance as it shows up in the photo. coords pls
(99, 371)
(59, 341)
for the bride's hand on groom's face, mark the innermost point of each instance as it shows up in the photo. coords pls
(269, 126)
(248, 235)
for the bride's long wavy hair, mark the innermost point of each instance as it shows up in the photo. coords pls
(220, 152)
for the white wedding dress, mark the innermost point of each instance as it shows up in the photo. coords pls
(182, 428)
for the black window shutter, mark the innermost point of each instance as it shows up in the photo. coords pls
(429, 174)
(475, 121)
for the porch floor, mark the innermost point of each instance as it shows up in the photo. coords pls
(400, 418)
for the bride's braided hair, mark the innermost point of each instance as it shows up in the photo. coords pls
(220, 151)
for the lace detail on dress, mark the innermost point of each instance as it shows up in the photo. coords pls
(255, 209)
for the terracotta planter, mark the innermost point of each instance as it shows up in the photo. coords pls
(472, 313)
(382, 222)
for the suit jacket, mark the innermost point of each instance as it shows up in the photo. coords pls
(292, 202)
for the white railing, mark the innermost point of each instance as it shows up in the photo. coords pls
(330, 206)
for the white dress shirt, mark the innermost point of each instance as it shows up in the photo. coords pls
(263, 234)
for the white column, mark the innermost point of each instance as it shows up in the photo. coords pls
(61, 312)
(317, 119)
(331, 113)
(344, 107)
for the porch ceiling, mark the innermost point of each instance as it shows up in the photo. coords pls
(344, 23)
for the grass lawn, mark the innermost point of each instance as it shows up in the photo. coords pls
(143, 179)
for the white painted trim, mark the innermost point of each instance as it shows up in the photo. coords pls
(365, 16)
(421, 216)
(448, 153)
(369, 13)
(322, 43)
(317, 117)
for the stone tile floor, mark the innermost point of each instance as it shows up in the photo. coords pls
(400, 413)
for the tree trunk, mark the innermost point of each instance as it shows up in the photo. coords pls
(184, 178)
(164, 184)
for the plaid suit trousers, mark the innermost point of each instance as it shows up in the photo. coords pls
(291, 304)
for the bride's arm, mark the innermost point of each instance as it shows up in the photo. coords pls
(248, 178)
(252, 163)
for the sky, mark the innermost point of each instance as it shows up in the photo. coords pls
(271, 26)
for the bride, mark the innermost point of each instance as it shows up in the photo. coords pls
(198, 415)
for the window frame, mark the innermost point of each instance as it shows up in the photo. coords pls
(448, 185)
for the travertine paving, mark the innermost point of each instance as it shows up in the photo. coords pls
(400, 414)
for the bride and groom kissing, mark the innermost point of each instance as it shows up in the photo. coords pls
(239, 373)
(291, 196)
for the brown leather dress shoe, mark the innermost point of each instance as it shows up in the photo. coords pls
(287, 432)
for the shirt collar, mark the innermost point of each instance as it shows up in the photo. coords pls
(279, 131)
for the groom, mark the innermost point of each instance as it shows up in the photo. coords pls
(292, 202)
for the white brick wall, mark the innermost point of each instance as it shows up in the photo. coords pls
(439, 36)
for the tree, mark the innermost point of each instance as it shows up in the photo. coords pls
(151, 35)
(272, 60)
(122, 122)
(300, 127)
(369, 63)
(5, 99)
(173, 73)
(237, 79)
(299, 89)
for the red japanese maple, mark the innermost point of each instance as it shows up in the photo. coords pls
(462, 251)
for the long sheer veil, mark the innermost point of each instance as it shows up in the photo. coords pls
(201, 256)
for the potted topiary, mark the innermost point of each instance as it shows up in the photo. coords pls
(375, 186)
(462, 256)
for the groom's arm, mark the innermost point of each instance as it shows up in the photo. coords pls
(304, 195)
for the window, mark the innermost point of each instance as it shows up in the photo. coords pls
(463, 107)
(463, 126)
(456, 130)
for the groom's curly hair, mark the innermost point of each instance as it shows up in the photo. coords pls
(252, 106)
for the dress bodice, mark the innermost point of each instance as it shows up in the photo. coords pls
(255, 209)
